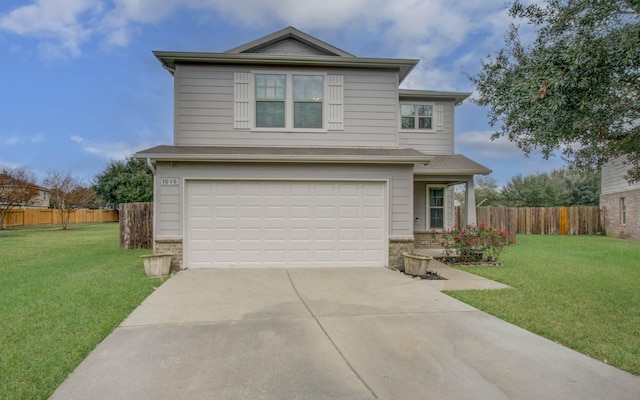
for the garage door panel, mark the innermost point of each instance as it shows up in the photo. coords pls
(285, 223)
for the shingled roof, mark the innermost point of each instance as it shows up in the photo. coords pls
(284, 154)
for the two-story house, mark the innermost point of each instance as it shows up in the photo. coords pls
(289, 152)
(620, 201)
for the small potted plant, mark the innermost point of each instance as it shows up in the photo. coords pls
(416, 264)
(157, 265)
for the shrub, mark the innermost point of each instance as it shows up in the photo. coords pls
(472, 243)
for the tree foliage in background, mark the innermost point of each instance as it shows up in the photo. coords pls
(560, 188)
(66, 194)
(576, 88)
(535, 191)
(487, 191)
(17, 188)
(128, 181)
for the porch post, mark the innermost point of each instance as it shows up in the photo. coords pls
(470, 203)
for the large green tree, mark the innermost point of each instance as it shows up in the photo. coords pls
(128, 181)
(575, 89)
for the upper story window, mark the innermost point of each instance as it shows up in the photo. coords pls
(289, 101)
(270, 100)
(307, 101)
(421, 116)
(417, 116)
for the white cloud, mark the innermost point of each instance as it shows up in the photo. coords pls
(479, 142)
(428, 30)
(109, 150)
(76, 138)
(15, 140)
(56, 22)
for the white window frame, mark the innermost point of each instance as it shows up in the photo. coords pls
(445, 207)
(623, 210)
(288, 102)
(437, 122)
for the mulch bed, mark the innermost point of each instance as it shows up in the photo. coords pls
(430, 276)
(458, 261)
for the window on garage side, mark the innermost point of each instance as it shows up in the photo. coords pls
(270, 100)
(436, 207)
(307, 101)
(623, 211)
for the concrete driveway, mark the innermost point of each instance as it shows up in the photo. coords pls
(329, 334)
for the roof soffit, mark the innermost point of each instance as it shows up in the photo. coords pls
(253, 53)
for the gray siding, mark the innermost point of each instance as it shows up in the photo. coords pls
(613, 178)
(433, 142)
(204, 101)
(169, 203)
(420, 205)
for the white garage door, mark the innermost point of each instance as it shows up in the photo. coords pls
(285, 224)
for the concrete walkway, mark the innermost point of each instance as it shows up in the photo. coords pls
(329, 334)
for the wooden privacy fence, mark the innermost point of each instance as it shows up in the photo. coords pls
(136, 226)
(49, 216)
(540, 220)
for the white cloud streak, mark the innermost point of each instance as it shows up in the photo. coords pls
(109, 150)
(15, 140)
(427, 30)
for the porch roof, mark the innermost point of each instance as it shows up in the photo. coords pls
(373, 155)
(452, 164)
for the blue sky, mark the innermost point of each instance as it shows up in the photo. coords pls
(81, 86)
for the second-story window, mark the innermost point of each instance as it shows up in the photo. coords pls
(289, 101)
(270, 100)
(307, 101)
(416, 116)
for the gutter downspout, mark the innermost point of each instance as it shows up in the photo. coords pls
(150, 165)
(155, 214)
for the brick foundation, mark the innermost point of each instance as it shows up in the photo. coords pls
(396, 248)
(610, 203)
(170, 245)
(425, 241)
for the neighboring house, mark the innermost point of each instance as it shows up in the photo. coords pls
(620, 202)
(290, 152)
(40, 200)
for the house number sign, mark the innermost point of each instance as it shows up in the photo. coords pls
(169, 181)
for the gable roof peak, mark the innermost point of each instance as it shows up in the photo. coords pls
(287, 34)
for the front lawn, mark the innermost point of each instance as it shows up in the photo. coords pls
(580, 291)
(61, 293)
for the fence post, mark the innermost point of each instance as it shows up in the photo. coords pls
(136, 226)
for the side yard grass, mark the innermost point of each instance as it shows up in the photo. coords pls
(61, 293)
(580, 291)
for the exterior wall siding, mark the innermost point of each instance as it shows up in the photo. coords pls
(169, 201)
(204, 101)
(613, 178)
(613, 188)
(433, 143)
(613, 225)
(420, 205)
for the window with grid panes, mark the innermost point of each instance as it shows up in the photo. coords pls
(416, 116)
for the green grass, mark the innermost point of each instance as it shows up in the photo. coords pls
(61, 293)
(580, 291)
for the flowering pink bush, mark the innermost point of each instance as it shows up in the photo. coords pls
(472, 243)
